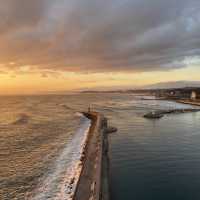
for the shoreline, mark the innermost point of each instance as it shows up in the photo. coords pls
(183, 101)
(188, 102)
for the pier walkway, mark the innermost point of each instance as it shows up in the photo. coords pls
(89, 185)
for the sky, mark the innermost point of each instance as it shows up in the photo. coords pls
(64, 45)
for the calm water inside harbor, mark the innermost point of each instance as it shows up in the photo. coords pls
(155, 159)
(40, 138)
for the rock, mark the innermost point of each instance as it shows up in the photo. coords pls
(153, 115)
(111, 130)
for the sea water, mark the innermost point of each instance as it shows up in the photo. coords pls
(41, 139)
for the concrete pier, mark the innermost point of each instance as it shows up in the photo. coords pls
(93, 180)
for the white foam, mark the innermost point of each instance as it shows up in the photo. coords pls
(62, 182)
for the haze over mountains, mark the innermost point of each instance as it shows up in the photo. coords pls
(161, 85)
(175, 84)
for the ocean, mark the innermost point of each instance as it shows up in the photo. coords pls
(41, 139)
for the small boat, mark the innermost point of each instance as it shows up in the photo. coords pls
(154, 115)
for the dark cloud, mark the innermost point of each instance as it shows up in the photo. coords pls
(93, 35)
(19, 14)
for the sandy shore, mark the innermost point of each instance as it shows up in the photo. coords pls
(194, 103)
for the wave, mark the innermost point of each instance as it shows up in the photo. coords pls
(60, 183)
(79, 114)
(67, 107)
(22, 119)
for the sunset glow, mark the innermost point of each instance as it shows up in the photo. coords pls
(57, 46)
(61, 82)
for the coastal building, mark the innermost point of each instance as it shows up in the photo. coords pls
(179, 93)
(193, 95)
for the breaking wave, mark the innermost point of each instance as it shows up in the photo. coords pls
(67, 107)
(22, 119)
(60, 183)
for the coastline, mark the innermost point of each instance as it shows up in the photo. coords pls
(183, 101)
(189, 102)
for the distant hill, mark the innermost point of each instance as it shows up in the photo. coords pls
(176, 84)
(162, 85)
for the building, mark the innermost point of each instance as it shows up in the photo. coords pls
(193, 95)
(179, 93)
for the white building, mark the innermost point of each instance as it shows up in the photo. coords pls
(193, 95)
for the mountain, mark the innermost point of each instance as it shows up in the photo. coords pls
(175, 84)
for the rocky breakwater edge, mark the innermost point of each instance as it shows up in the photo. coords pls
(92, 178)
(160, 113)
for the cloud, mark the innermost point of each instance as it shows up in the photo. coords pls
(99, 36)
(19, 14)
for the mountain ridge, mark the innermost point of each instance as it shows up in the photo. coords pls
(173, 84)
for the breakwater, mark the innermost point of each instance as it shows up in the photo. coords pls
(93, 180)
(161, 113)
